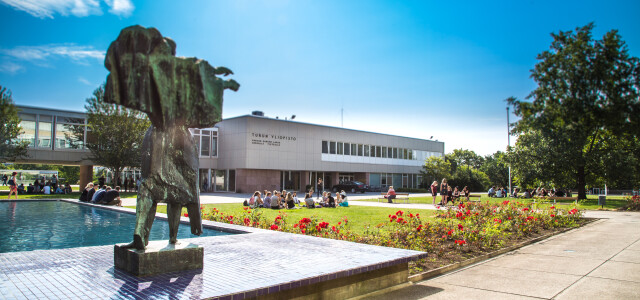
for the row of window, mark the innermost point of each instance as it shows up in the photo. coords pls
(396, 180)
(340, 148)
(41, 130)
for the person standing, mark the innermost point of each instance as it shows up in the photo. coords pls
(320, 187)
(444, 191)
(4, 179)
(54, 182)
(434, 191)
(13, 186)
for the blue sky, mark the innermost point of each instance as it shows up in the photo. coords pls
(410, 68)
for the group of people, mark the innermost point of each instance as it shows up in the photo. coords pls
(542, 192)
(39, 186)
(499, 192)
(447, 193)
(289, 200)
(103, 195)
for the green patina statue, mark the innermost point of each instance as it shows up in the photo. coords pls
(177, 93)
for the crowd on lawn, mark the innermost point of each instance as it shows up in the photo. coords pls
(289, 200)
(539, 192)
(39, 186)
(447, 193)
(104, 195)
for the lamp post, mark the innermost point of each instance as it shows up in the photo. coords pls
(509, 145)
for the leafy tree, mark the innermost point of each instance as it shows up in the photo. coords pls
(10, 147)
(587, 89)
(114, 133)
(474, 179)
(496, 167)
(436, 168)
(467, 158)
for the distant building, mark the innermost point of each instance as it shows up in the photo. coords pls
(253, 152)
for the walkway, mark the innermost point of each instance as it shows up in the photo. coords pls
(600, 260)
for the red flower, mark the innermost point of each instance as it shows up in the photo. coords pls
(460, 227)
(186, 214)
(450, 232)
(505, 202)
(393, 217)
(274, 227)
(525, 209)
(460, 242)
(497, 220)
(552, 215)
(399, 213)
(295, 225)
(419, 228)
(247, 221)
(553, 207)
(400, 220)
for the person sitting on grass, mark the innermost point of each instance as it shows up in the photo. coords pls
(30, 189)
(391, 194)
(331, 202)
(275, 200)
(342, 199)
(290, 204)
(252, 201)
(308, 200)
(456, 195)
(295, 198)
(67, 188)
(266, 202)
(465, 192)
(111, 197)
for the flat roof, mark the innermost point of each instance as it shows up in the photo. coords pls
(327, 126)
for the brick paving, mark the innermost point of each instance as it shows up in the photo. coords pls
(238, 266)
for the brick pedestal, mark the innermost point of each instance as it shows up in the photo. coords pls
(159, 257)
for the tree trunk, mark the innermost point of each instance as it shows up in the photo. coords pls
(582, 194)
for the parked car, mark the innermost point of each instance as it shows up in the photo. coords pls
(351, 186)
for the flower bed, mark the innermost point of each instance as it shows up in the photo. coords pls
(465, 231)
(633, 203)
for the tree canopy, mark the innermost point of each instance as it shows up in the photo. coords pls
(583, 116)
(114, 133)
(10, 147)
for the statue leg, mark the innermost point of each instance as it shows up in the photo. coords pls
(145, 214)
(195, 218)
(174, 211)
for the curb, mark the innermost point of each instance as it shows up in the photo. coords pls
(459, 265)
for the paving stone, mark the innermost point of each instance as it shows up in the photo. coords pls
(508, 280)
(631, 256)
(436, 291)
(546, 263)
(601, 289)
(618, 270)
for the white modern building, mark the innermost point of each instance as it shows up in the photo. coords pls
(253, 152)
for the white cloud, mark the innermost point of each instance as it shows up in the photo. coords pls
(85, 81)
(120, 7)
(10, 67)
(40, 53)
(78, 8)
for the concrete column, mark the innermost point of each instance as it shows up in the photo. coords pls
(334, 178)
(304, 180)
(86, 175)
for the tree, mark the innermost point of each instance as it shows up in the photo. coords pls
(436, 168)
(496, 167)
(587, 89)
(10, 147)
(114, 134)
(474, 179)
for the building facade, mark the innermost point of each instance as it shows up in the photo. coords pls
(248, 153)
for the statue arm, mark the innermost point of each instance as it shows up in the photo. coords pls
(231, 84)
(222, 71)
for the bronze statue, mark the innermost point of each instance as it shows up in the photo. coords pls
(176, 93)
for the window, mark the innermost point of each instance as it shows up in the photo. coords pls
(332, 147)
(325, 147)
(205, 144)
(360, 151)
(410, 152)
(405, 181)
(395, 152)
(347, 149)
(340, 148)
(214, 144)
(384, 152)
(406, 154)
(390, 152)
(400, 153)
(378, 151)
(366, 150)
(28, 126)
(354, 149)
(45, 131)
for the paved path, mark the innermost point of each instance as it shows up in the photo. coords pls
(598, 261)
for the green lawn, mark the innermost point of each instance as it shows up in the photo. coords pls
(359, 216)
(613, 202)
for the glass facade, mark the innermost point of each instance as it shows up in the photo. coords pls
(206, 141)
